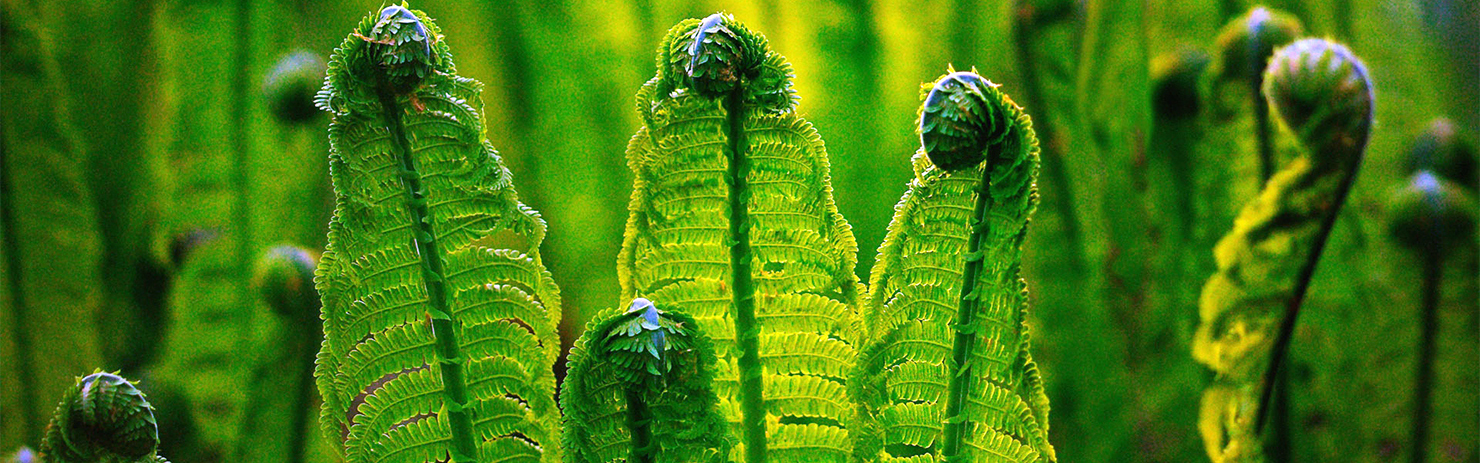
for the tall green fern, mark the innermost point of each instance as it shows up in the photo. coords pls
(439, 318)
(1323, 101)
(640, 389)
(949, 375)
(733, 223)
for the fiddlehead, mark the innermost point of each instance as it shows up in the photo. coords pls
(948, 370)
(291, 85)
(283, 278)
(105, 419)
(640, 389)
(1246, 45)
(1323, 101)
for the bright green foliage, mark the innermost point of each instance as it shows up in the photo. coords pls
(733, 223)
(439, 318)
(640, 389)
(1322, 100)
(949, 375)
(50, 253)
(103, 419)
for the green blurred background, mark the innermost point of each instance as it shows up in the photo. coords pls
(152, 153)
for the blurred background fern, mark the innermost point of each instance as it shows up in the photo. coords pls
(154, 150)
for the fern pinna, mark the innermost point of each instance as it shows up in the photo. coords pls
(1323, 102)
(948, 372)
(439, 318)
(733, 223)
(641, 389)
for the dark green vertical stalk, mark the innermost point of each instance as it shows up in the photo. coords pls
(639, 421)
(1254, 60)
(448, 350)
(747, 331)
(1433, 273)
(965, 341)
(13, 269)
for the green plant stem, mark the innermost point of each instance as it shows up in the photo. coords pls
(449, 352)
(1255, 63)
(1433, 274)
(13, 267)
(965, 341)
(639, 420)
(1292, 307)
(302, 427)
(747, 332)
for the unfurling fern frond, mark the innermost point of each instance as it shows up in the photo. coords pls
(103, 419)
(733, 223)
(439, 318)
(949, 375)
(1323, 101)
(641, 389)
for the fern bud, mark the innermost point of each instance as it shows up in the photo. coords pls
(24, 455)
(291, 85)
(640, 343)
(401, 45)
(1428, 210)
(717, 58)
(959, 122)
(1175, 77)
(103, 418)
(1322, 92)
(1247, 42)
(1442, 149)
(284, 278)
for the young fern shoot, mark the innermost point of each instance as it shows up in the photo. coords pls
(640, 389)
(947, 372)
(104, 418)
(439, 318)
(733, 223)
(1322, 99)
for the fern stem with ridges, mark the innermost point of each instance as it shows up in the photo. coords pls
(449, 354)
(965, 339)
(747, 334)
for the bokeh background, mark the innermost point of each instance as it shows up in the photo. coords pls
(152, 152)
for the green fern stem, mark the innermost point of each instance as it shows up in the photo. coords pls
(747, 332)
(639, 423)
(965, 341)
(449, 354)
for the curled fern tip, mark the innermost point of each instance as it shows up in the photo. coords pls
(1323, 93)
(959, 122)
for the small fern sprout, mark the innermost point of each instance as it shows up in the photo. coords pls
(962, 119)
(718, 58)
(1322, 92)
(103, 419)
(1175, 78)
(291, 85)
(1446, 151)
(284, 278)
(401, 46)
(1246, 43)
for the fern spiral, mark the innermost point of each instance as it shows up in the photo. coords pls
(104, 418)
(439, 318)
(733, 223)
(1323, 101)
(949, 374)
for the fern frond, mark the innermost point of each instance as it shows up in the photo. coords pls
(1323, 101)
(733, 223)
(948, 370)
(641, 389)
(439, 318)
(102, 419)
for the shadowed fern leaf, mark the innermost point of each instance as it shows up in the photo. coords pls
(1323, 101)
(733, 223)
(439, 317)
(949, 375)
(640, 389)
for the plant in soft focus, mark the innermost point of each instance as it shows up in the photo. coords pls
(1323, 102)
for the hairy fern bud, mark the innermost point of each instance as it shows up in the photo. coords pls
(1175, 78)
(718, 57)
(1246, 42)
(291, 85)
(1444, 150)
(959, 122)
(1322, 92)
(1429, 210)
(284, 278)
(103, 419)
(401, 47)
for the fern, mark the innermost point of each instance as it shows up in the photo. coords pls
(439, 318)
(51, 246)
(102, 419)
(641, 389)
(1323, 100)
(733, 223)
(949, 376)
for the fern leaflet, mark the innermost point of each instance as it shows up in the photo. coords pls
(439, 317)
(733, 222)
(949, 375)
